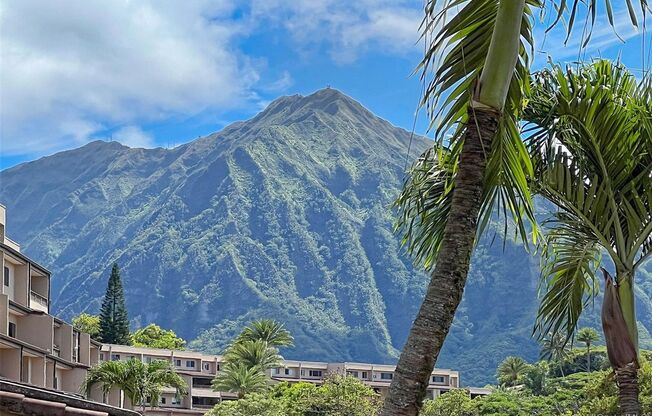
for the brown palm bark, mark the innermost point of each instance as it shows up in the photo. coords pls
(444, 293)
(621, 350)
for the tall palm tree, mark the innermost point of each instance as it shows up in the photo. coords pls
(555, 348)
(253, 354)
(587, 336)
(592, 144)
(142, 383)
(268, 330)
(479, 61)
(511, 371)
(241, 379)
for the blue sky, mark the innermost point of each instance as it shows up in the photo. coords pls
(163, 73)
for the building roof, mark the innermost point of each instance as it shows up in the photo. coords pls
(25, 399)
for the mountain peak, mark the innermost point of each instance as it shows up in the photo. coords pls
(326, 100)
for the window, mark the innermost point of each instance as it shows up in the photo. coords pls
(176, 400)
(365, 375)
(162, 400)
(438, 379)
(207, 366)
(288, 372)
(148, 360)
(177, 363)
(190, 364)
(353, 374)
(12, 329)
(101, 356)
(6, 276)
(275, 371)
(314, 373)
(386, 376)
(115, 357)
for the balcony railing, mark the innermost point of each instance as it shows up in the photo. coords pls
(38, 301)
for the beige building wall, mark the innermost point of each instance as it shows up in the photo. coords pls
(10, 363)
(36, 330)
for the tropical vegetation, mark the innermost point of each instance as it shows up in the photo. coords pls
(88, 323)
(591, 140)
(337, 396)
(253, 352)
(477, 59)
(153, 336)
(141, 383)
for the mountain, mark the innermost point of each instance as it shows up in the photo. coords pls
(287, 215)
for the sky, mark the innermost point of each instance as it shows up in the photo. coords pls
(162, 73)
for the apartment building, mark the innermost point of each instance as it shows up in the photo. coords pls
(35, 347)
(376, 376)
(43, 360)
(197, 369)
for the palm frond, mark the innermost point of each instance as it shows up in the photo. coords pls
(569, 261)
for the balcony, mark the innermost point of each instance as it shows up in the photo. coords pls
(38, 302)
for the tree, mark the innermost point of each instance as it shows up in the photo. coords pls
(241, 379)
(154, 336)
(511, 371)
(592, 146)
(555, 347)
(87, 323)
(268, 330)
(481, 47)
(454, 403)
(142, 383)
(253, 354)
(587, 336)
(536, 377)
(114, 322)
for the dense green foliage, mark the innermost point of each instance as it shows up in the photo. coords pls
(114, 322)
(251, 354)
(88, 323)
(283, 216)
(154, 336)
(142, 383)
(338, 396)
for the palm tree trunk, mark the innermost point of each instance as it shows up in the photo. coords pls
(444, 292)
(621, 337)
(588, 357)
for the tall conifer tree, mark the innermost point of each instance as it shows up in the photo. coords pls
(114, 322)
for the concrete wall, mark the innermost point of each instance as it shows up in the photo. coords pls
(4, 315)
(66, 342)
(36, 330)
(21, 285)
(10, 363)
(84, 348)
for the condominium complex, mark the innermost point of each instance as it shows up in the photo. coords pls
(198, 370)
(43, 360)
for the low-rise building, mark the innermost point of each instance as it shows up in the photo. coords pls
(36, 347)
(199, 369)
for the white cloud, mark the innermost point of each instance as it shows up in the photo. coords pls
(71, 69)
(346, 28)
(133, 136)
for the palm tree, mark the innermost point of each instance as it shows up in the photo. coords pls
(268, 330)
(241, 379)
(592, 145)
(555, 348)
(511, 371)
(141, 383)
(481, 50)
(587, 336)
(253, 354)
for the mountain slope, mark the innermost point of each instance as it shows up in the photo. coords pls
(287, 216)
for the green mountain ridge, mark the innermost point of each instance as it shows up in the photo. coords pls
(286, 216)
